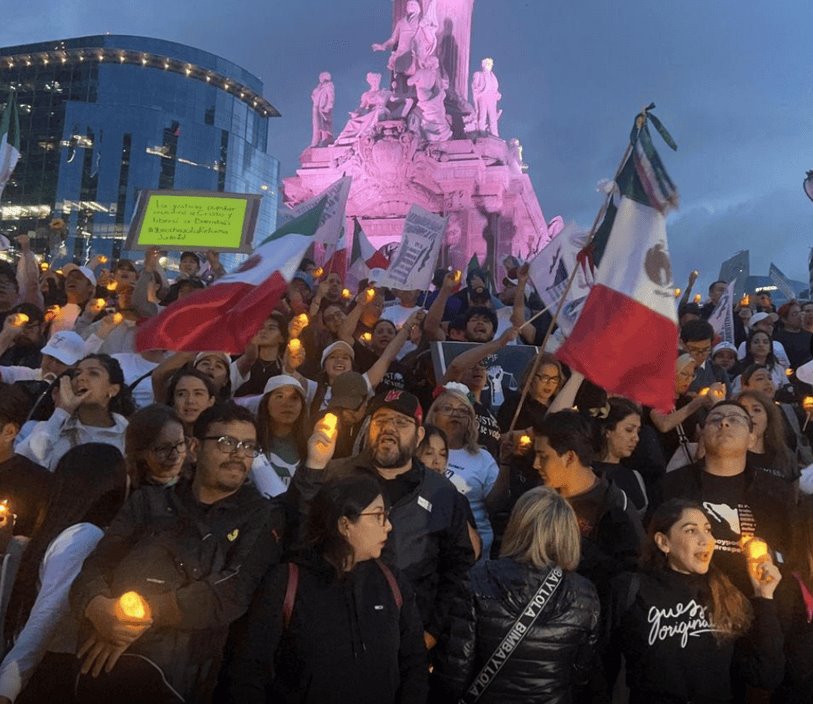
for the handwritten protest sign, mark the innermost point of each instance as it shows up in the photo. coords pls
(413, 263)
(194, 220)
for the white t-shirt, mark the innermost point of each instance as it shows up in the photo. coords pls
(134, 366)
(398, 314)
(778, 352)
(51, 626)
(474, 475)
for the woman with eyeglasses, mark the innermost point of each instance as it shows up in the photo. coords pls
(547, 382)
(336, 625)
(686, 632)
(155, 447)
(469, 467)
(92, 403)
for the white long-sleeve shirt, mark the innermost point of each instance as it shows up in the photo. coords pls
(52, 438)
(50, 625)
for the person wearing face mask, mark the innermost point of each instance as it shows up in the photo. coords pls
(686, 632)
(336, 624)
(155, 447)
(91, 406)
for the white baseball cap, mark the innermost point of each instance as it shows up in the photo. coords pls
(87, 273)
(65, 346)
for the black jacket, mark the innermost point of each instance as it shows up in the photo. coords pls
(553, 656)
(770, 500)
(198, 567)
(663, 628)
(347, 641)
(797, 625)
(429, 542)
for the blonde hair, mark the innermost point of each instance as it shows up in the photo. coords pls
(472, 434)
(543, 530)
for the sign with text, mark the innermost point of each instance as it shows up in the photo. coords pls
(194, 220)
(413, 263)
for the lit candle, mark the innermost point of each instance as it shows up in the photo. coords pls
(117, 318)
(317, 273)
(525, 441)
(697, 298)
(19, 319)
(370, 294)
(457, 275)
(43, 266)
(294, 346)
(100, 302)
(102, 259)
(346, 294)
(132, 606)
(704, 391)
(677, 293)
(756, 548)
(302, 319)
(367, 337)
(330, 420)
(745, 300)
(112, 286)
(51, 312)
(789, 372)
(807, 403)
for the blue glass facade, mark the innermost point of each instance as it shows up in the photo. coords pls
(104, 117)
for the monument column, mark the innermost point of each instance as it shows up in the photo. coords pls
(454, 38)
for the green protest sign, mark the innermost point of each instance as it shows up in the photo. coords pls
(194, 220)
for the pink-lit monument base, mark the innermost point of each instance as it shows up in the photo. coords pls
(420, 141)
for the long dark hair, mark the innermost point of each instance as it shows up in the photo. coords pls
(618, 409)
(340, 498)
(748, 360)
(90, 485)
(265, 431)
(122, 403)
(185, 372)
(800, 557)
(776, 448)
(142, 430)
(730, 612)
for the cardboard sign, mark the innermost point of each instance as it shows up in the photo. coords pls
(505, 368)
(194, 220)
(413, 264)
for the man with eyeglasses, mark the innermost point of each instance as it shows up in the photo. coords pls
(195, 552)
(429, 542)
(740, 501)
(696, 337)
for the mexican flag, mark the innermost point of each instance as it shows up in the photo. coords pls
(9, 140)
(227, 314)
(364, 256)
(625, 339)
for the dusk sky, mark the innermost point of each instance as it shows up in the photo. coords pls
(732, 82)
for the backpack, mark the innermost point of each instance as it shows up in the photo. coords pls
(293, 585)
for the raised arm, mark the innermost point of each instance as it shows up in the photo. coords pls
(375, 374)
(162, 373)
(470, 358)
(431, 327)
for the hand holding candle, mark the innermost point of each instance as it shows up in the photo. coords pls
(19, 319)
(369, 295)
(131, 606)
(366, 337)
(346, 294)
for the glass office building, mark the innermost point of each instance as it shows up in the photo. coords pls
(103, 117)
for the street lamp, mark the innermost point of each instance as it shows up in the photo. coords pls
(807, 184)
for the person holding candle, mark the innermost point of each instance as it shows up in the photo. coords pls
(337, 624)
(91, 406)
(195, 552)
(686, 632)
(741, 501)
(89, 487)
(270, 342)
(80, 287)
(21, 337)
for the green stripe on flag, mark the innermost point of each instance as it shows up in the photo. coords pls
(306, 224)
(10, 122)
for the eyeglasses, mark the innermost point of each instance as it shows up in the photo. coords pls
(400, 422)
(544, 378)
(227, 443)
(450, 410)
(169, 449)
(698, 350)
(717, 419)
(382, 516)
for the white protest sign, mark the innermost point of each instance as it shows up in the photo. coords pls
(413, 263)
(722, 317)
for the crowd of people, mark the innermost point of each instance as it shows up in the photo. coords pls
(330, 517)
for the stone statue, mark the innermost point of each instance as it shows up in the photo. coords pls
(323, 97)
(486, 91)
(430, 88)
(515, 162)
(372, 108)
(402, 58)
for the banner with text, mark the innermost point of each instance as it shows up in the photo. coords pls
(413, 263)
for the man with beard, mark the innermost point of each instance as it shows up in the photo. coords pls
(429, 542)
(195, 553)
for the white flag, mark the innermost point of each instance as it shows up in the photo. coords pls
(722, 317)
(550, 271)
(413, 263)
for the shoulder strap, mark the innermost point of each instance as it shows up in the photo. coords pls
(290, 593)
(394, 588)
(514, 637)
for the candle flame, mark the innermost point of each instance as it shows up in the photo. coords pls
(755, 548)
(19, 320)
(133, 606)
(117, 318)
(677, 293)
(367, 337)
(525, 441)
(102, 259)
(294, 346)
(346, 294)
(302, 319)
(457, 275)
(318, 272)
(370, 294)
(43, 266)
(330, 420)
(112, 286)
(807, 403)
(697, 298)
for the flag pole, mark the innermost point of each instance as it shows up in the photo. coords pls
(640, 122)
